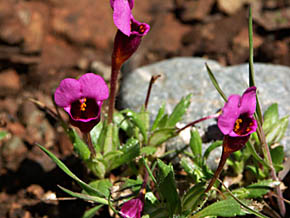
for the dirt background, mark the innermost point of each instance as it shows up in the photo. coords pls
(41, 42)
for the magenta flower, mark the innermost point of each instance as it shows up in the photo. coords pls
(132, 208)
(82, 99)
(130, 31)
(237, 123)
(237, 118)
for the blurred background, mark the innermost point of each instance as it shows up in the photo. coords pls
(42, 42)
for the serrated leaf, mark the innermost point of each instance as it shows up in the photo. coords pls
(158, 117)
(223, 208)
(179, 111)
(271, 116)
(92, 212)
(84, 196)
(80, 146)
(65, 169)
(167, 187)
(162, 135)
(193, 197)
(277, 131)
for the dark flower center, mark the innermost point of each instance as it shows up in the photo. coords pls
(84, 108)
(243, 124)
(138, 28)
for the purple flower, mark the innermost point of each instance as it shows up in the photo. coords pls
(132, 208)
(130, 31)
(82, 99)
(237, 118)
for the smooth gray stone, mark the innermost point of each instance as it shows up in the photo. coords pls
(185, 75)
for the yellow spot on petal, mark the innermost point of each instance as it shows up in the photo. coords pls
(83, 104)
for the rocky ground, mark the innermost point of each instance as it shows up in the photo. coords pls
(41, 42)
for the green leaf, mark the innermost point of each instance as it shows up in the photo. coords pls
(122, 122)
(129, 151)
(215, 83)
(148, 150)
(223, 208)
(179, 111)
(95, 134)
(84, 196)
(80, 146)
(162, 135)
(193, 197)
(256, 190)
(196, 145)
(211, 148)
(192, 169)
(167, 187)
(253, 152)
(271, 116)
(111, 142)
(158, 117)
(92, 212)
(97, 165)
(277, 155)
(151, 197)
(102, 185)
(3, 134)
(277, 131)
(141, 120)
(64, 168)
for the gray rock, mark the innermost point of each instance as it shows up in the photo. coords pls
(181, 76)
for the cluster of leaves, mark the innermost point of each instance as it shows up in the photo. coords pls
(137, 149)
(163, 199)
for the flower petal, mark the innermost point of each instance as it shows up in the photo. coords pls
(68, 91)
(132, 208)
(138, 28)
(227, 119)
(122, 16)
(93, 86)
(131, 3)
(248, 101)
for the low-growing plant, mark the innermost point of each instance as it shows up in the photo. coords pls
(148, 184)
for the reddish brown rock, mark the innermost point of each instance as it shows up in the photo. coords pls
(194, 10)
(9, 83)
(86, 22)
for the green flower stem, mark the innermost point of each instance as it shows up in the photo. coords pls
(266, 150)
